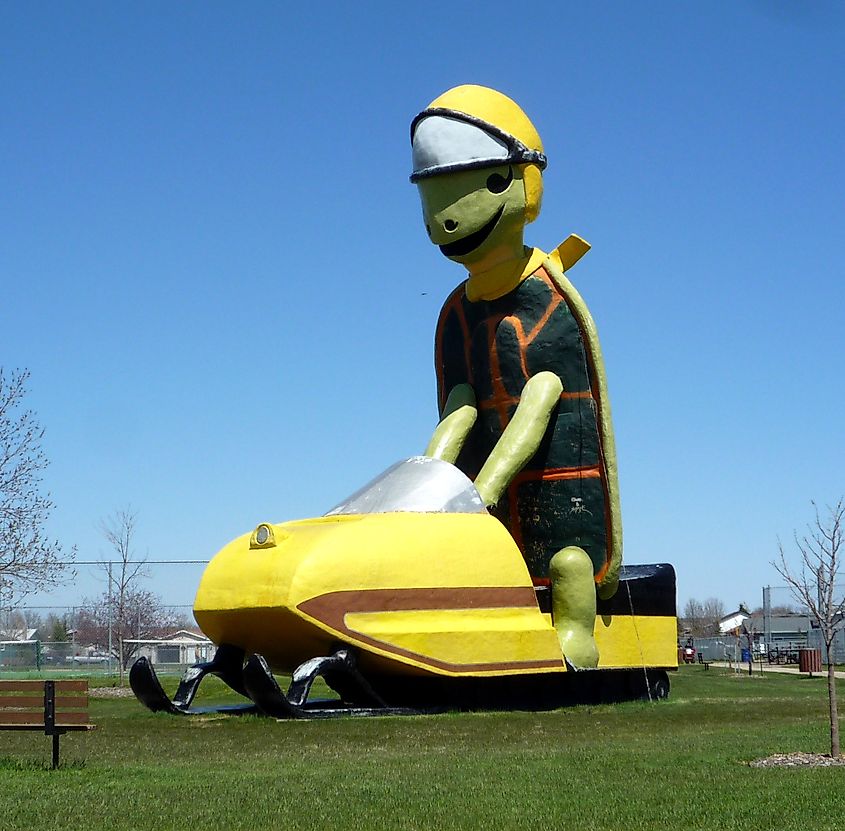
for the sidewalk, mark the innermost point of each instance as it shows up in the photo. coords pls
(790, 670)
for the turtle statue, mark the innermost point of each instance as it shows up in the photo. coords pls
(516, 498)
(522, 391)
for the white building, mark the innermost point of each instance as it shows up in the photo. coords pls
(182, 647)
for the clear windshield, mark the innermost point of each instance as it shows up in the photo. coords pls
(418, 484)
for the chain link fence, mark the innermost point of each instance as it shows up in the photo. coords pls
(93, 633)
(94, 644)
(93, 627)
(779, 629)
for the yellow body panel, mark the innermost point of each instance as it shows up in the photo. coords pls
(447, 594)
(625, 641)
(363, 579)
(467, 636)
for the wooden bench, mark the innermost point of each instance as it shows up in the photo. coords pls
(56, 707)
(705, 664)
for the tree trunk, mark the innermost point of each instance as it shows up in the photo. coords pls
(834, 715)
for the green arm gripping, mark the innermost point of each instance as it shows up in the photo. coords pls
(458, 418)
(521, 438)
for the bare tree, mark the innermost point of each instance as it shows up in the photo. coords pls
(140, 615)
(702, 618)
(123, 572)
(814, 584)
(693, 617)
(775, 611)
(14, 625)
(713, 610)
(29, 561)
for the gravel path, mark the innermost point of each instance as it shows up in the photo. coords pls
(798, 760)
(110, 692)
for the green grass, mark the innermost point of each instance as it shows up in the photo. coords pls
(679, 764)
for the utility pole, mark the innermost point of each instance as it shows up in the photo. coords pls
(767, 618)
(110, 614)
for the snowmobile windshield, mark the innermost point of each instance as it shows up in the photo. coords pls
(419, 485)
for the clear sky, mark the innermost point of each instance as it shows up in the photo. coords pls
(214, 265)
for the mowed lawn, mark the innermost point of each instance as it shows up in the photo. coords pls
(679, 764)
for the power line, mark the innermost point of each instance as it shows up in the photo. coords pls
(83, 606)
(134, 562)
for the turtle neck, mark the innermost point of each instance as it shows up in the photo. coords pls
(497, 281)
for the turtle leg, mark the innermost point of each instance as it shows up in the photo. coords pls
(574, 605)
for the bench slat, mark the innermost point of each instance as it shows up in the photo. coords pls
(30, 702)
(21, 686)
(71, 702)
(62, 685)
(36, 702)
(65, 728)
(23, 718)
(13, 717)
(71, 718)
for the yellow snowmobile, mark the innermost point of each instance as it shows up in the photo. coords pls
(410, 596)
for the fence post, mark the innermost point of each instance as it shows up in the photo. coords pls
(767, 618)
(110, 614)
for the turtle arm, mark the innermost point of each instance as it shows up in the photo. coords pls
(521, 438)
(458, 418)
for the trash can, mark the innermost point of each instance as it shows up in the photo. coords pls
(809, 660)
(746, 656)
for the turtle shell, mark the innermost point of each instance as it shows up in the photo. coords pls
(562, 496)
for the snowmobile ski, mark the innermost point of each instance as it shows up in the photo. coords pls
(339, 672)
(227, 664)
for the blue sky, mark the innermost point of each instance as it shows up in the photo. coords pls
(215, 268)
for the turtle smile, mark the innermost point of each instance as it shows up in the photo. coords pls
(471, 241)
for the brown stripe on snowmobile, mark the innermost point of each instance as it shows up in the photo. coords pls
(332, 608)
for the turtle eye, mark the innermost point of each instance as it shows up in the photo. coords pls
(496, 183)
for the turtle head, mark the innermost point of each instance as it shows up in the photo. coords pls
(477, 163)
(472, 214)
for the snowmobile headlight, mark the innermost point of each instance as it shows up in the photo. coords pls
(262, 537)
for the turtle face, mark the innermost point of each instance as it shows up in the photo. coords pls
(471, 214)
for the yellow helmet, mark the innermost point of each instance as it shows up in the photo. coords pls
(471, 127)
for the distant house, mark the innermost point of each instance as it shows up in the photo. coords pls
(18, 633)
(182, 647)
(784, 630)
(731, 624)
